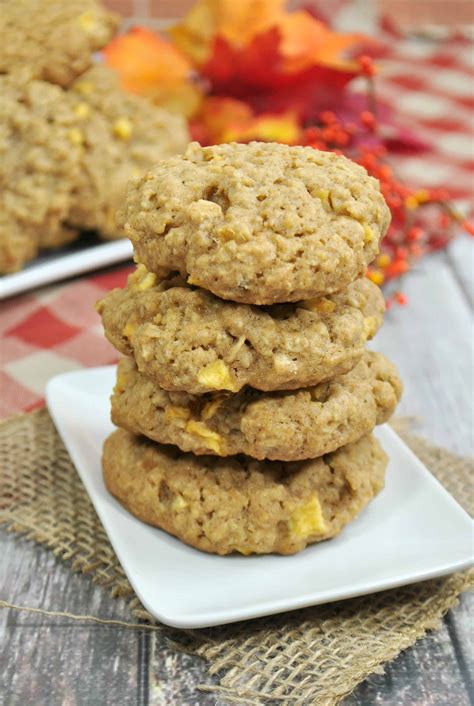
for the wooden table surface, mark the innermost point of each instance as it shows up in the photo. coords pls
(58, 661)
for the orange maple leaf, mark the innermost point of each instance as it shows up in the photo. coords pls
(266, 127)
(231, 120)
(237, 21)
(305, 40)
(217, 113)
(153, 67)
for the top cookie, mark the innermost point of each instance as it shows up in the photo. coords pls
(260, 223)
(53, 38)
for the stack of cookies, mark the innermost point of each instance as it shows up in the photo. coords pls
(247, 398)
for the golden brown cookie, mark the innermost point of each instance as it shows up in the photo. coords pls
(259, 223)
(286, 426)
(54, 39)
(39, 166)
(239, 504)
(187, 339)
(123, 135)
(66, 157)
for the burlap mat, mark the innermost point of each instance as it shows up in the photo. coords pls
(312, 656)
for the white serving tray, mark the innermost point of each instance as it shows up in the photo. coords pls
(414, 530)
(56, 265)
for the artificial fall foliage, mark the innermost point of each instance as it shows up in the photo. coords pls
(299, 41)
(251, 70)
(151, 66)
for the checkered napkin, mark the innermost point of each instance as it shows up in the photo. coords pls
(429, 85)
(48, 332)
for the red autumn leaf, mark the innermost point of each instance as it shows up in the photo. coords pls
(236, 70)
(306, 41)
(256, 73)
(309, 93)
(260, 65)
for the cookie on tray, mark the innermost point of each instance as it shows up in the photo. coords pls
(123, 135)
(259, 223)
(239, 504)
(285, 426)
(39, 167)
(187, 339)
(55, 39)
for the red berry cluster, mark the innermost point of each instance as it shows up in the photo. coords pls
(422, 219)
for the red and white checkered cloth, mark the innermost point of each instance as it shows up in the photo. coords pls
(430, 87)
(428, 83)
(51, 331)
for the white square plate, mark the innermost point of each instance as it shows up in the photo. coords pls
(83, 255)
(413, 530)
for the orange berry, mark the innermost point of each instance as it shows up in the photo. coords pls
(468, 227)
(401, 298)
(367, 65)
(401, 253)
(415, 233)
(416, 251)
(328, 117)
(393, 201)
(368, 119)
(397, 268)
(444, 220)
(385, 172)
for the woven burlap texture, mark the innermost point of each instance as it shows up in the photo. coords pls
(312, 656)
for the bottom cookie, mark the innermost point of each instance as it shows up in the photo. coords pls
(238, 504)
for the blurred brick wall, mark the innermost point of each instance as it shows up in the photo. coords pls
(410, 14)
(407, 14)
(162, 9)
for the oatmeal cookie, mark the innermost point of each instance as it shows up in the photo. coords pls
(53, 38)
(260, 223)
(239, 504)
(66, 157)
(123, 135)
(187, 339)
(39, 166)
(286, 426)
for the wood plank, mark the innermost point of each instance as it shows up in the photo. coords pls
(461, 257)
(51, 660)
(70, 664)
(430, 341)
(34, 577)
(174, 677)
(428, 673)
(75, 662)
(460, 623)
